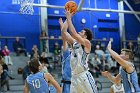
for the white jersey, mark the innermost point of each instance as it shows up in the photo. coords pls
(81, 80)
(118, 89)
(79, 59)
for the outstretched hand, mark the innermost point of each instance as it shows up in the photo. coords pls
(109, 45)
(68, 14)
(60, 22)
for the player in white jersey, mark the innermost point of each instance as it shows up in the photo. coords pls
(117, 86)
(82, 80)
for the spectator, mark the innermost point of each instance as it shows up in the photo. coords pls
(43, 41)
(4, 79)
(35, 53)
(7, 58)
(95, 66)
(43, 54)
(130, 46)
(99, 51)
(56, 49)
(105, 63)
(5, 67)
(138, 48)
(113, 65)
(57, 56)
(18, 47)
(96, 62)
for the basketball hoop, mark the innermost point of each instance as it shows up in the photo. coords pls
(27, 7)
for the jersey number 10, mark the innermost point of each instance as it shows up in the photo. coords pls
(36, 83)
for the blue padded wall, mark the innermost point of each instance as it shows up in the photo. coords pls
(92, 18)
(132, 25)
(15, 24)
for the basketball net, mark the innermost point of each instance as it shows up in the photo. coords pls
(27, 7)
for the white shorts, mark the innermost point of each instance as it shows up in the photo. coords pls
(83, 83)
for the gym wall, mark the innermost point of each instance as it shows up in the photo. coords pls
(14, 24)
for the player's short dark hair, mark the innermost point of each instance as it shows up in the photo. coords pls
(88, 34)
(34, 65)
(128, 52)
(44, 60)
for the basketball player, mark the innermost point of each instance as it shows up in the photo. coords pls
(127, 71)
(66, 69)
(117, 87)
(37, 82)
(82, 80)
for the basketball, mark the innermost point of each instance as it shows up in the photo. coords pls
(71, 6)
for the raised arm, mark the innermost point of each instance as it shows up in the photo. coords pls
(65, 35)
(73, 32)
(52, 81)
(121, 61)
(65, 45)
(109, 76)
(113, 79)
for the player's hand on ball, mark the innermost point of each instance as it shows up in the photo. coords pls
(68, 14)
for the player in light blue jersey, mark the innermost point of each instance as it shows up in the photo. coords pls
(37, 82)
(127, 70)
(66, 69)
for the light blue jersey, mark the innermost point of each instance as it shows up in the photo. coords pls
(37, 83)
(66, 71)
(130, 81)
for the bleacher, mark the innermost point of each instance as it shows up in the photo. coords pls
(16, 86)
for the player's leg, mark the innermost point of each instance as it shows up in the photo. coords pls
(66, 88)
(73, 87)
(89, 83)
